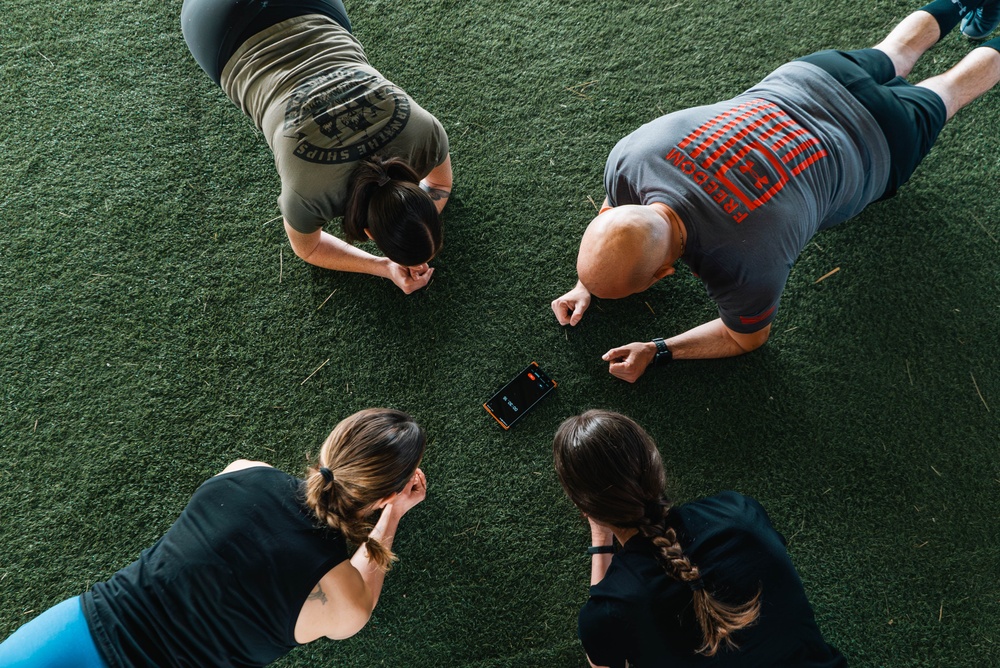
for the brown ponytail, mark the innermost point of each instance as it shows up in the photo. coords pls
(385, 198)
(611, 470)
(367, 457)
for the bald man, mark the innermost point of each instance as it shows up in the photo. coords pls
(737, 189)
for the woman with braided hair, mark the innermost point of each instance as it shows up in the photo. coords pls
(706, 583)
(256, 564)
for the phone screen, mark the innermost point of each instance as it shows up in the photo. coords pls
(516, 397)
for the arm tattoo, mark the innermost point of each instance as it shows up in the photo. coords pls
(435, 194)
(317, 595)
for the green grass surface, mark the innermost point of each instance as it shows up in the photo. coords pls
(154, 326)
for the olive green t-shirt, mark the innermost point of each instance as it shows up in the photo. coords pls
(308, 87)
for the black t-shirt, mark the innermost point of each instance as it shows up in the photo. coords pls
(225, 585)
(641, 614)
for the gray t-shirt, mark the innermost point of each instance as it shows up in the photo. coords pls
(307, 85)
(754, 178)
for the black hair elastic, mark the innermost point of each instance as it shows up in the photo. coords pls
(696, 585)
(326, 473)
(654, 510)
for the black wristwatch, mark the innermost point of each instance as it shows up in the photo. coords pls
(663, 354)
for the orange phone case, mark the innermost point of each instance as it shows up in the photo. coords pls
(506, 427)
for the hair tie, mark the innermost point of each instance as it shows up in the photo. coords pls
(654, 510)
(384, 179)
(326, 473)
(696, 585)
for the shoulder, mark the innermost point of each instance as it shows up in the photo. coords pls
(739, 518)
(634, 574)
(596, 614)
(726, 505)
(740, 504)
(422, 131)
(242, 464)
(604, 631)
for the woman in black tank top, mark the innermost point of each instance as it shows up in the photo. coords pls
(256, 564)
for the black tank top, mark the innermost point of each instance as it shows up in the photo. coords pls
(225, 585)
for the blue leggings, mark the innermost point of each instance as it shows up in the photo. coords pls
(57, 638)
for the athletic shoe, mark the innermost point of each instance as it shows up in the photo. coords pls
(979, 23)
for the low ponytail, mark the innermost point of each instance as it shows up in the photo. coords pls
(386, 200)
(366, 458)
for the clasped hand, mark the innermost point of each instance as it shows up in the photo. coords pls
(414, 492)
(410, 279)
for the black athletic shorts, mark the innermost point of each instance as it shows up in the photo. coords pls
(910, 116)
(215, 29)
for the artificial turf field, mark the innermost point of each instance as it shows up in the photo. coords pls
(155, 325)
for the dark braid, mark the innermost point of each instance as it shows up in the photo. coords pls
(611, 469)
(654, 527)
(717, 620)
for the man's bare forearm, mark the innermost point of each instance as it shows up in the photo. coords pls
(713, 340)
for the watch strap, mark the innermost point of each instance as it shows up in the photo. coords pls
(663, 354)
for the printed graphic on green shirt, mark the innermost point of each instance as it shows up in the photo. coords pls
(343, 115)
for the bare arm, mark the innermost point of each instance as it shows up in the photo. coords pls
(438, 183)
(711, 340)
(338, 607)
(343, 600)
(385, 530)
(599, 563)
(325, 250)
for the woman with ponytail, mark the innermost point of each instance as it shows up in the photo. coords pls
(256, 564)
(346, 141)
(706, 583)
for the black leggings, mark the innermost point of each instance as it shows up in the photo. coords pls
(215, 29)
(910, 116)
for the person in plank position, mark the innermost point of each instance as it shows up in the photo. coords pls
(256, 564)
(737, 189)
(347, 142)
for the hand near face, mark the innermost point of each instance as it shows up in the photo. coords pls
(410, 279)
(414, 492)
(630, 361)
(599, 534)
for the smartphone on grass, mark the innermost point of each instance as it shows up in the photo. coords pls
(519, 395)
